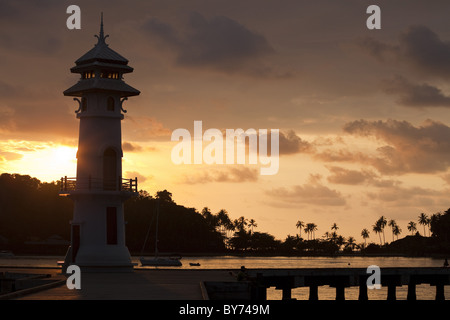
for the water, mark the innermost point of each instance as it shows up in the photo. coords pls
(423, 291)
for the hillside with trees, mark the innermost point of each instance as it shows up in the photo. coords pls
(34, 219)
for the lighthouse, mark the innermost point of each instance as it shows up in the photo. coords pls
(99, 190)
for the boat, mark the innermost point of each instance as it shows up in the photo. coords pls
(158, 261)
(161, 262)
(194, 264)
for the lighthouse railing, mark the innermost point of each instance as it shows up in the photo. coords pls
(68, 184)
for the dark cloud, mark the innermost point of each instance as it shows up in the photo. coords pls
(219, 43)
(423, 149)
(416, 95)
(418, 47)
(131, 147)
(291, 143)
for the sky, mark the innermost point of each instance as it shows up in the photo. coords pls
(362, 114)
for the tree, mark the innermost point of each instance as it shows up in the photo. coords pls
(382, 223)
(396, 231)
(334, 227)
(164, 196)
(240, 223)
(251, 224)
(377, 229)
(300, 225)
(310, 229)
(392, 224)
(412, 227)
(365, 235)
(423, 220)
(350, 244)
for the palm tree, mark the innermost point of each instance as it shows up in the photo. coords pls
(240, 223)
(382, 221)
(392, 224)
(350, 243)
(423, 219)
(365, 235)
(310, 228)
(334, 227)
(396, 230)
(300, 225)
(377, 229)
(313, 229)
(412, 227)
(251, 224)
(307, 230)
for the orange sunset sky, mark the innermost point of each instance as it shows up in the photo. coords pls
(363, 114)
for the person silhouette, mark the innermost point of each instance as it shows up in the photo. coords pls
(445, 263)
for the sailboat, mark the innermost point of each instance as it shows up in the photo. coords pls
(156, 260)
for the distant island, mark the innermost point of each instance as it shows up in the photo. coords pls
(34, 219)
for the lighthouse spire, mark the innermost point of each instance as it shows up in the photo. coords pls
(101, 37)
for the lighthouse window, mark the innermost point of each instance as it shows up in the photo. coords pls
(111, 225)
(88, 74)
(110, 106)
(110, 169)
(109, 75)
(83, 104)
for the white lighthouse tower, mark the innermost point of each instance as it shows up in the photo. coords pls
(99, 191)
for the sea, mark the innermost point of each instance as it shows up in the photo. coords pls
(423, 291)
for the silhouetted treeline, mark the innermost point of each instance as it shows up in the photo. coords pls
(32, 211)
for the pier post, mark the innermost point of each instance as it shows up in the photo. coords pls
(411, 291)
(363, 292)
(313, 293)
(340, 293)
(286, 293)
(391, 294)
(440, 296)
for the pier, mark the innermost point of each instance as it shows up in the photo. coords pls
(341, 278)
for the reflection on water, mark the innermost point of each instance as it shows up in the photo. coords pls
(424, 291)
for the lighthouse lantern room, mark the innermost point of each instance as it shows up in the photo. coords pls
(99, 190)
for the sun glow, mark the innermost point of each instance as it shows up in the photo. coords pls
(47, 162)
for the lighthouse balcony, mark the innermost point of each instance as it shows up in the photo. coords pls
(71, 185)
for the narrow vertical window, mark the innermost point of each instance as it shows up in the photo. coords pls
(110, 169)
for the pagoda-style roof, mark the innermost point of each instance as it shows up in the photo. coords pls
(98, 63)
(100, 84)
(101, 52)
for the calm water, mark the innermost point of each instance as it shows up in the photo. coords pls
(424, 291)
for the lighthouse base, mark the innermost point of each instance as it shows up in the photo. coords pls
(96, 259)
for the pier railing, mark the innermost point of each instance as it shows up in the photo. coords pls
(68, 184)
(258, 280)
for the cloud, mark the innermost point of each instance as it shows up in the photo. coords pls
(416, 95)
(408, 196)
(418, 47)
(134, 174)
(313, 192)
(219, 43)
(144, 128)
(354, 177)
(230, 174)
(423, 149)
(130, 147)
(291, 143)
